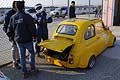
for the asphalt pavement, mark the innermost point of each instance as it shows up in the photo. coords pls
(107, 65)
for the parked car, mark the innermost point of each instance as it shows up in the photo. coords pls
(76, 43)
(59, 12)
(1, 19)
(3, 77)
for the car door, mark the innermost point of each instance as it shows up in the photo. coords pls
(101, 30)
(91, 40)
(102, 42)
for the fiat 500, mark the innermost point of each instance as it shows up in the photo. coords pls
(77, 42)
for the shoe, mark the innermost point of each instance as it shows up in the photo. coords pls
(34, 70)
(16, 66)
(25, 75)
(18, 61)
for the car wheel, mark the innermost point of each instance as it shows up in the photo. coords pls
(92, 62)
(114, 42)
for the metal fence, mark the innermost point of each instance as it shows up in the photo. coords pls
(5, 48)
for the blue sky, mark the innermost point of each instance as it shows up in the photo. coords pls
(7, 3)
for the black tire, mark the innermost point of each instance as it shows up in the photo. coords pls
(92, 62)
(113, 43)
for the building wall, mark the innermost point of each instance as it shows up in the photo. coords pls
(108, 12)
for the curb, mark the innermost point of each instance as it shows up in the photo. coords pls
(1, 66)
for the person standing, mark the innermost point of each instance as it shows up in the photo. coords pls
(96, 12)
(41, 19)
(72, 10)
(14, 50)
(22, 29)
(100, 12)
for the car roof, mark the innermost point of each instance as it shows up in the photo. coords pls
(81, 21)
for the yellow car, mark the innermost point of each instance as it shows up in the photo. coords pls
(77, 42)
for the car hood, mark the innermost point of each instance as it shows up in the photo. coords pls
(56, 45)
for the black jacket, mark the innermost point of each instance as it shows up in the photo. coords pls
(7, 19)
(72, 12)
(41, 24)
(22, 28)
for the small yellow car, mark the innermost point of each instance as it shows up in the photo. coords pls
(77, 42)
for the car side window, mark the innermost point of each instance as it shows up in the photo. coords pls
(90, 32)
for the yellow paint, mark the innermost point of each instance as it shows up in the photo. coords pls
(81, 49)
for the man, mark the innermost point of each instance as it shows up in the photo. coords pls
(96, 12)
(72, 10)
(14, 50)
(41, 20)
(100, 12)
(22, 30)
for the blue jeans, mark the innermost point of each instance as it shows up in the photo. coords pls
(22, 50)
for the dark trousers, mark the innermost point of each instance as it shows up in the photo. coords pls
(43, 37)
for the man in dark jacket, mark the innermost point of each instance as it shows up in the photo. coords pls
(72, 10)
(41, 20)
(22, 30)
(14, 50)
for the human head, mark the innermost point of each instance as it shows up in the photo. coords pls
(39, 8)
(73, 3)
(19, 5)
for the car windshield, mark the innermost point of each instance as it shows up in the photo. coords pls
(67, 29)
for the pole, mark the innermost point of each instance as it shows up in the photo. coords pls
(52, 3)
(89, 8)
(68, 8)
(102, 11)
